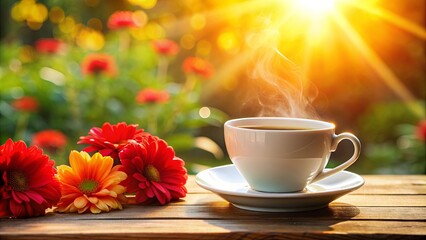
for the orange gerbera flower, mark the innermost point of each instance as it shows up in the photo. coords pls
(90, 184)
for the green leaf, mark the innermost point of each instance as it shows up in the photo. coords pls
(180, 142)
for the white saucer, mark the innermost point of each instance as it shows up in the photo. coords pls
(228, 183)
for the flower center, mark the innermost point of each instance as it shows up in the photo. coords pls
(17, 180)
(151, 173)
(98, 66)
(88, 186)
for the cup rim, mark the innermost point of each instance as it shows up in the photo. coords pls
(326, 125)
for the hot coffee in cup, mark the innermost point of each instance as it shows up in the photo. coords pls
(277, 154)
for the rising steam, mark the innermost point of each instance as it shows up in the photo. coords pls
(278, 86)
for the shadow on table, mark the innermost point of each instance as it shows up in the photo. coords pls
(237, 220)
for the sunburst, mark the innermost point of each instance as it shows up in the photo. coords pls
(310, 20)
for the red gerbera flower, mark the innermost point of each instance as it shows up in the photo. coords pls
(421, 130)
(154, 172)
(26, 104)
(198, 66)
(49, 45)
(27, 181)
(165, 47)
(149, 95)
(110, 139)
(97, 63)
(50, 140)
(122, 19)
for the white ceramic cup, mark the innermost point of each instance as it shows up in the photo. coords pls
(277, 160)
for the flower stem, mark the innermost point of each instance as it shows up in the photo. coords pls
(152, 119)
(163, 65)
(21, 125)
(71, 94)
(181, 100)
(124, 41)
(189, 84)
(98, 95)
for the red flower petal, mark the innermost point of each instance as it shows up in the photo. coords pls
(28, 178)
(35, 196)
(198, 66)
(122, 19)
(111, 139)
(49, 45)
(150, 95)
(165, 47)
(97, 63)
(51, 140)
(152, 166)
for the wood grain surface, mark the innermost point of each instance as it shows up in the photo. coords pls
(386, 207)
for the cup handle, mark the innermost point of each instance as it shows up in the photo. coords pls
(336, 140)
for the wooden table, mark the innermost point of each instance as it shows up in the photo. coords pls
(391, 207)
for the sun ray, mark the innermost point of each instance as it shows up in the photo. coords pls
(391, 17)
(389, 78)
(219, 15)
(312, 35)
(268, 38)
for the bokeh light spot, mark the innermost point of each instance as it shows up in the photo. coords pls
(204, 47)
(38, 13)
(33, 13)
(95, 23)
(140, 18)
(154, 31)
(227, 41)
(187, 41)
(68, 25)
(90, 39)
(56, 15)
(146, 4)
(198, 21)
(204, 112)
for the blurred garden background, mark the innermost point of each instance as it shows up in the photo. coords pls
(179, 69)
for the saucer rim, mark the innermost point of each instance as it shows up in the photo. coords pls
(341, 191)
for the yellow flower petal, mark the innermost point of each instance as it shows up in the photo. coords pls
(103, 166)
(78, 194)
(93, 200)
(102, 206)
(80, 202)
(119, 189)
(79, 162)
(103, 192)
(64, 208)
(114, 178)
(111, 202)
(82, 210)
(94, 209)
(66, 175)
